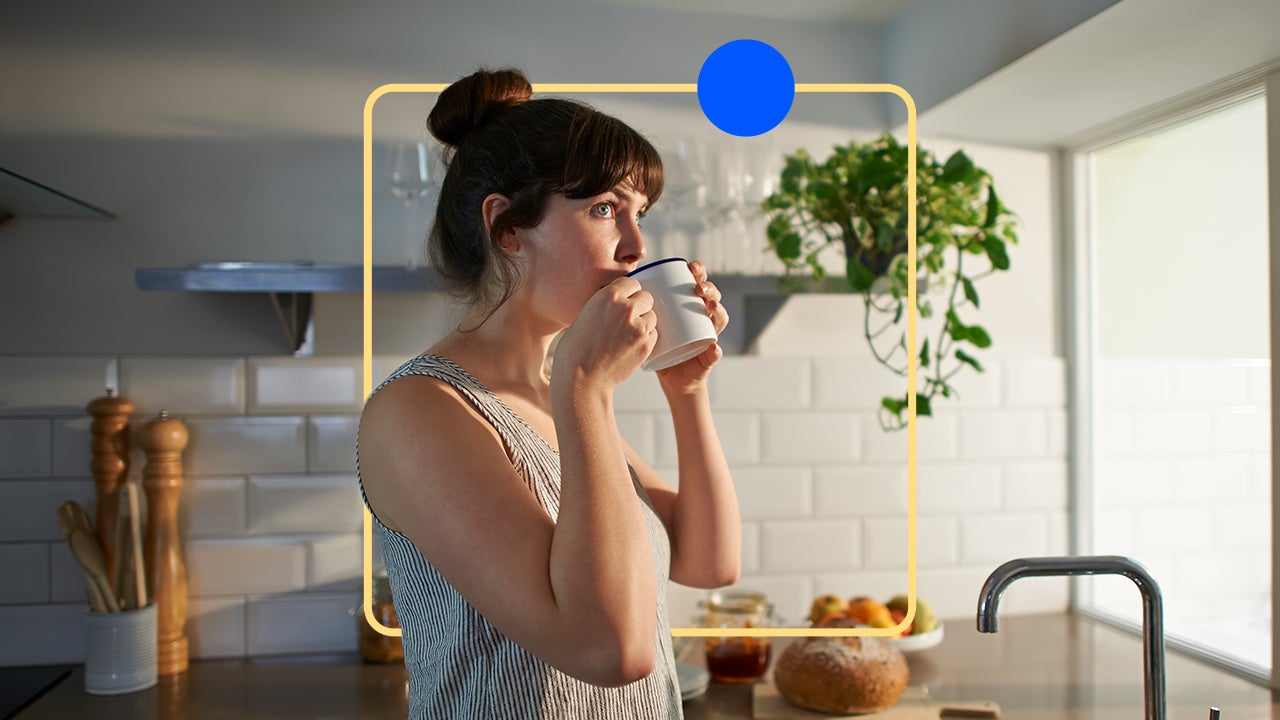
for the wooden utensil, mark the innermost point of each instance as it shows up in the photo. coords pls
(72, 520)
(915, 704)
(130, 580)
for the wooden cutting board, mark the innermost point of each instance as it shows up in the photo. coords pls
(914, 704)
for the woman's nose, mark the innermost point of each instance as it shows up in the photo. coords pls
(631, 249)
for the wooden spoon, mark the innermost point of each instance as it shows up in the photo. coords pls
(84, 547)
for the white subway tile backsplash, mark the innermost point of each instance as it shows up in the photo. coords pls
(1242, 431)
(1000, 434)
(885, 542)
(304, 503)
(1134, 383)
(298, 623)
(26, 448)
(331, 443)
(1213, 382)
(774, 493)
(1145, 480)
(72, 446)
(216, 627)
(1173, 432)
(1113, 431)
(25, 567)
(1239, 526)
(319, 384)
(790, 546)
(1259, 374)
(970, 487)
(1059, 533)
(739, 436)
(860, 491)
(936, 439)
(1207, 478)
(1035, 485)
(1168, 529)
(977, 389)
(790, 594)
(852, 383)
(214, 506)
(1035, 383)
(637, 430)
(640, 392)
(953, 592)
(758, 383)
(995, 538)
(336, 562)
(66, 578)
(240, 446)
(51, 385)
(188, 386)
(27, 507)
(1114, 530)
(242, 567)
(1058, 427)
(750, 548)
(813, 438)
(1218, 574)
(42, 634)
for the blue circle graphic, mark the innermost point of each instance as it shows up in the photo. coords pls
(745, 87)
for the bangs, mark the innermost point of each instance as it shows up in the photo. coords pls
(603, 153)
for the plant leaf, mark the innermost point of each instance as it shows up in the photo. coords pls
(860, 276)
(789, 245)
(958, 168)
(968, 359)
(970, 293)
(995, 251)
(893, 405)
(993, 208)
(924, 353)
(923, 408)
(978, 336)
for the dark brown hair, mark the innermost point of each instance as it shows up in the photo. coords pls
(526, 150)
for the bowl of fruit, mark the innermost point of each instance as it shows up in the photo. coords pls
(924, 632)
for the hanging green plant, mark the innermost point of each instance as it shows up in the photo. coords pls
(855, 202)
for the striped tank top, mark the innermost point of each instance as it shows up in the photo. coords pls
(459, 665)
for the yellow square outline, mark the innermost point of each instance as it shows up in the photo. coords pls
(367, 321)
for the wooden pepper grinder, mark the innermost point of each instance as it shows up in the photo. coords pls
(110, 464)
(163, 440)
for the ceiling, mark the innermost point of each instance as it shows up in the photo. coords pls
(859, 12)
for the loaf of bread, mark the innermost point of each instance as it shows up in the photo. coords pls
(845, 675)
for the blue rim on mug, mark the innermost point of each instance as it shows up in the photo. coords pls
(656, 263)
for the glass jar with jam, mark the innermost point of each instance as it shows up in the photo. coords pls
(737, 659)
(374, 646)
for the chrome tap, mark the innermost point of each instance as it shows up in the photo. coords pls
(1152, 607)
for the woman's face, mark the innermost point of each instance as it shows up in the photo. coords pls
(580, 246)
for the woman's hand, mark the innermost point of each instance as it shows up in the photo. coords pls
(690, 374)
(613, 334)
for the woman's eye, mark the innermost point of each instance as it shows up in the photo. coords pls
(604, 210)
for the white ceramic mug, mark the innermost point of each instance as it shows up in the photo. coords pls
(684, 328)
(120, 651)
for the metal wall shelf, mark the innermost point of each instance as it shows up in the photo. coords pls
(752, 300)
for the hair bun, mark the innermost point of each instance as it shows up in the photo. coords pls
(474, 100)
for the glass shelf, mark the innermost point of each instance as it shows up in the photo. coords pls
(22, 196)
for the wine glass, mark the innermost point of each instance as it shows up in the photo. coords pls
(412, 171)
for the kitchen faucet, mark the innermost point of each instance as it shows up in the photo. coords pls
(1152, 607)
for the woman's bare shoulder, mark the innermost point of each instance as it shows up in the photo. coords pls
(419, 422)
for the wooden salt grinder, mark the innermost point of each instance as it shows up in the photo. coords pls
(163, 440)
(110, 464)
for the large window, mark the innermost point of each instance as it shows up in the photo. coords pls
(1178, 473)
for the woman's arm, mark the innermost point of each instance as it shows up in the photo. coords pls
(579, 593)
(702, 518)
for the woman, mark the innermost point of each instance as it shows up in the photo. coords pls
(527, 545)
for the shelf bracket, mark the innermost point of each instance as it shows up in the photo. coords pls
(296, 320)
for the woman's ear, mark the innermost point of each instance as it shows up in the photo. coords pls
(494, 205)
